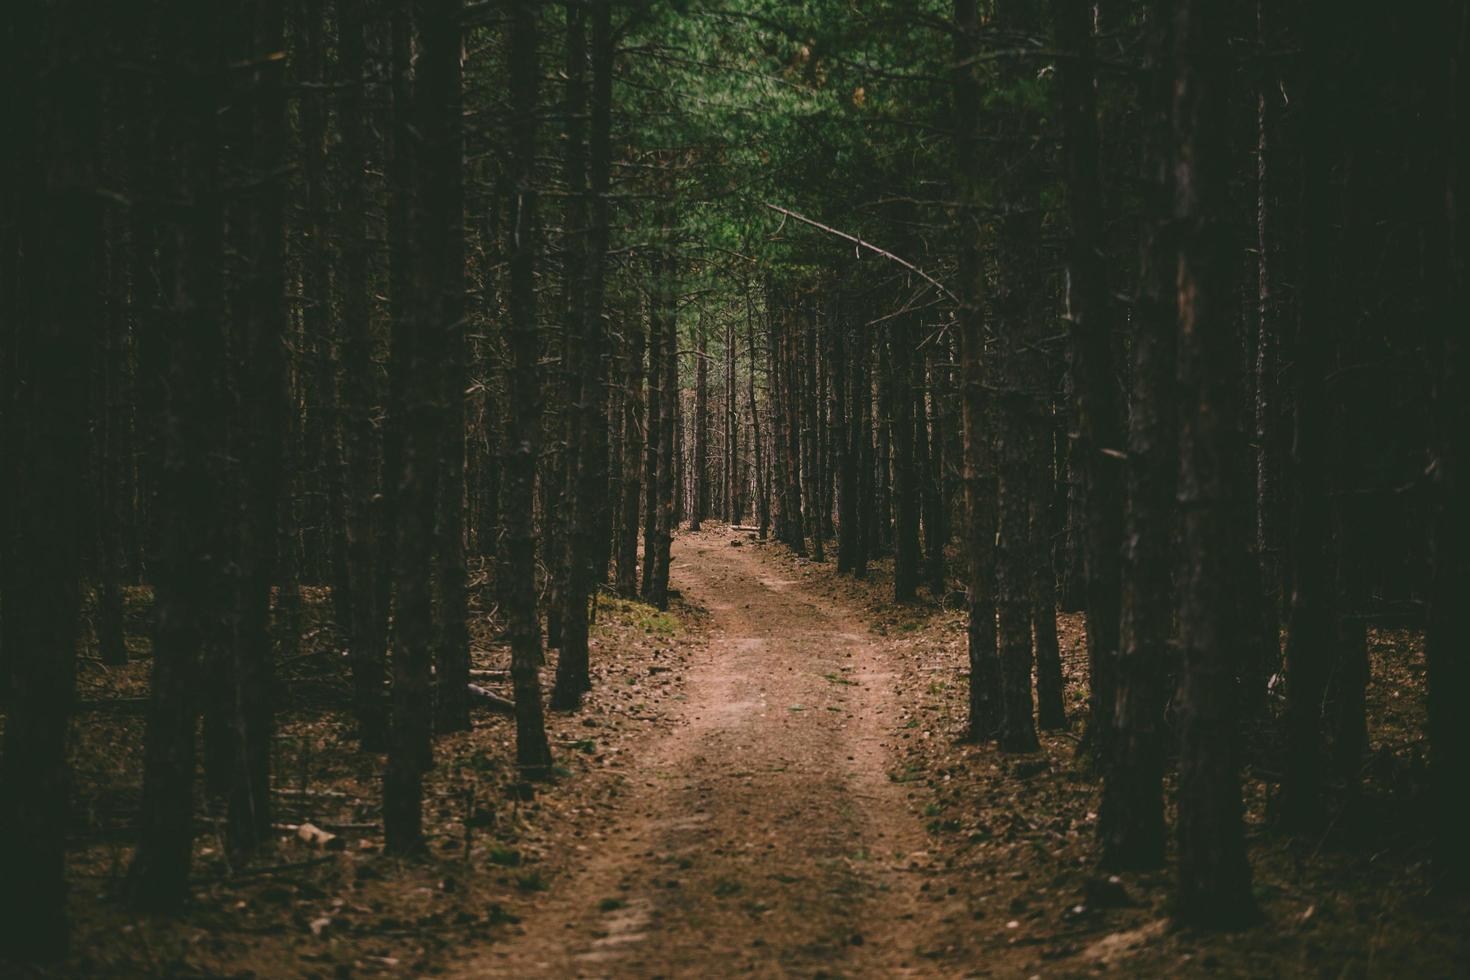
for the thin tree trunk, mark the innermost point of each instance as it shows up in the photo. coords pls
(1093, 322)
(569, 601)
(668, 422)
(701, 427)
(905, 477)
(979, 483)
(444, 174)
(417, 352)
(763, 501)
(360, 395)
(653, 439)
(523, 394)
(811, 448)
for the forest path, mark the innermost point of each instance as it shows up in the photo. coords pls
(764, 833)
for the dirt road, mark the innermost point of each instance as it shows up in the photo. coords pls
(765, 832)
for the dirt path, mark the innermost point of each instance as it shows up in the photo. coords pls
(764, 833)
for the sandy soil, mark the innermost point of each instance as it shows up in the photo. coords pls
(767, 831)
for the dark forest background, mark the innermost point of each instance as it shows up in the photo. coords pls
(428, 310)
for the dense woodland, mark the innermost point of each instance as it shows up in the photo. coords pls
(430, 310)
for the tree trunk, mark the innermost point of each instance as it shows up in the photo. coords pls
(668, 421)
(581, 362)
(523, 395)
(905, 476)
(811, 442)
(1051, 710)
(57, 313)
(653, 440)
(1311, 631)
(366, 640)
(936, 516)
(421, 141)
(1447, 633)
(1093, 322)
(979, 483)
(443, 176)
(186, 573)
(1214, 877)
(701, 427)
(1131, 813)
(763, 495)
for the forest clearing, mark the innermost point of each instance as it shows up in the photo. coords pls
(697, 488)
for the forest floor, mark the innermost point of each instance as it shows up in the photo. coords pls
(766, 780)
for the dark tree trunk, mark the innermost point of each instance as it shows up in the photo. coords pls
(110, 435)
(1131, 813)
(791, 403)
(928, 489)
(1051, 710)
(905, 475)
(979, 482)
(60, 230)
(881, 539)
(569, 601)
(862, 398)
(318, 327)
(599, 232)
(936, 516)
(523, 396)
(668, 422)
(1214, 876)
(1311, 631)
(259, 327)
(701, 428)
(1447, 633)
(811, 442)
(188, 591)
(762, 487)
(1093, 322)
(1278, 165)
(775, 386)
(845, 442)
(1015, 447)
(733, 510)
(366, 639)
(634, 413)
(443, 175)
(653, 439)
(421, 140)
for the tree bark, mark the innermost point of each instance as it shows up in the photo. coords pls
(1131, 813)
(905, 477)
(60, 229)
(361, 395)
(979, 482)
(187, 585)
(1093, 322)
(523, 394)
(1214, 884)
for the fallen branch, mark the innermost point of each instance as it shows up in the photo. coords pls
(487, 698)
